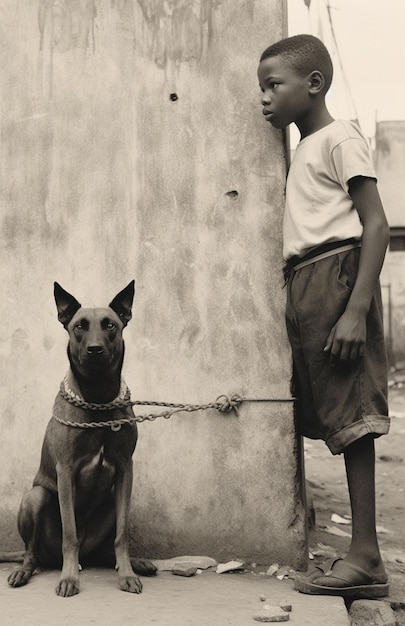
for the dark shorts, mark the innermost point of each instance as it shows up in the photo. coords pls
(340, 404)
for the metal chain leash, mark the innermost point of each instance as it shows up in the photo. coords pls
(223, 404)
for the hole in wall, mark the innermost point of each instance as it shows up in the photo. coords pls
(233, 194)
(173, 97)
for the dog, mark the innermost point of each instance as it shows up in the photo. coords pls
(77, 511)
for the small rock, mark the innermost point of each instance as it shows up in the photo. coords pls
(202, 562)
(183, 569)
(262, 597)
(334, 530)
(286, 606)
(229, 567)
(374, 612)
(272, 569)
(271, 614)
(337, 519)
(283, 572)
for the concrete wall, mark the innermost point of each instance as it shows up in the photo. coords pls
(133, 146)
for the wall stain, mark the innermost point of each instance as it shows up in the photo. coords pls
(178, 28)
(71, 23)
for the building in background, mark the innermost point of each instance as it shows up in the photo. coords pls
(389, 160)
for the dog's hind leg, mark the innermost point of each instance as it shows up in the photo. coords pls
(29, 514)
(144, 567)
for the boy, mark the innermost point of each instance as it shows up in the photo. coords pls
(335, 236)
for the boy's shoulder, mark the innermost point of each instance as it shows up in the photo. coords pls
(337, 132)
(340, 148)
(347, 129)
(340, 134)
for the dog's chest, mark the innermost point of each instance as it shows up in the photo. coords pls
(101, 454)
(96, 471)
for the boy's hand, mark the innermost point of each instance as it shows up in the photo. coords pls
(346, 339)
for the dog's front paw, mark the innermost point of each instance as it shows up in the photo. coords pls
(19, 577)
(68, 587)
(144, 567)
(130, 583)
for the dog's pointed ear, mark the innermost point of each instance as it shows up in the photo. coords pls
(66, 304)
(122, 303)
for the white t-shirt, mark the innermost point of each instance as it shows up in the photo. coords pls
(318, 207)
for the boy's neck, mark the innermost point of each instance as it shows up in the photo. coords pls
(314, 120)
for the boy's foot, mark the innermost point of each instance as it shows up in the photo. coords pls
(341, 578)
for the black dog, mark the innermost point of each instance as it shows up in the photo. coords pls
(77, 510)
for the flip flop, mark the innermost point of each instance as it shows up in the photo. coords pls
(357, 583)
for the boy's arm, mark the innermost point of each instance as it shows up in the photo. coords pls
(347, 338)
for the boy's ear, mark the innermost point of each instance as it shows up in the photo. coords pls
(316, 82)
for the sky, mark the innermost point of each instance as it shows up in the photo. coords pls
(371, 41)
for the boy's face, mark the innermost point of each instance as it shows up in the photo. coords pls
(285, 93)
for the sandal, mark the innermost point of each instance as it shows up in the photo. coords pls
(353, 581)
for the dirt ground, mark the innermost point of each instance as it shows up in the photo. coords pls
(326, 479)
(166, 600)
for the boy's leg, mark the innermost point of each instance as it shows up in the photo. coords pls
(364, 551)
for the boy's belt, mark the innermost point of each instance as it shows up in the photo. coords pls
(321, 252)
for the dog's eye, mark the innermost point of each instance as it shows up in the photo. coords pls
(79, 328)
(111, 326)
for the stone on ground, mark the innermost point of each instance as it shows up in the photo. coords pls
(271, 613)
(376, 612)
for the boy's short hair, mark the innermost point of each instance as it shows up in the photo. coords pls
(304, 53)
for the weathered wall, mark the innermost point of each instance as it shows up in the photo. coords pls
(133, 146)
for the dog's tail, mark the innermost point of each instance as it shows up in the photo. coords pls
(12, 557)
